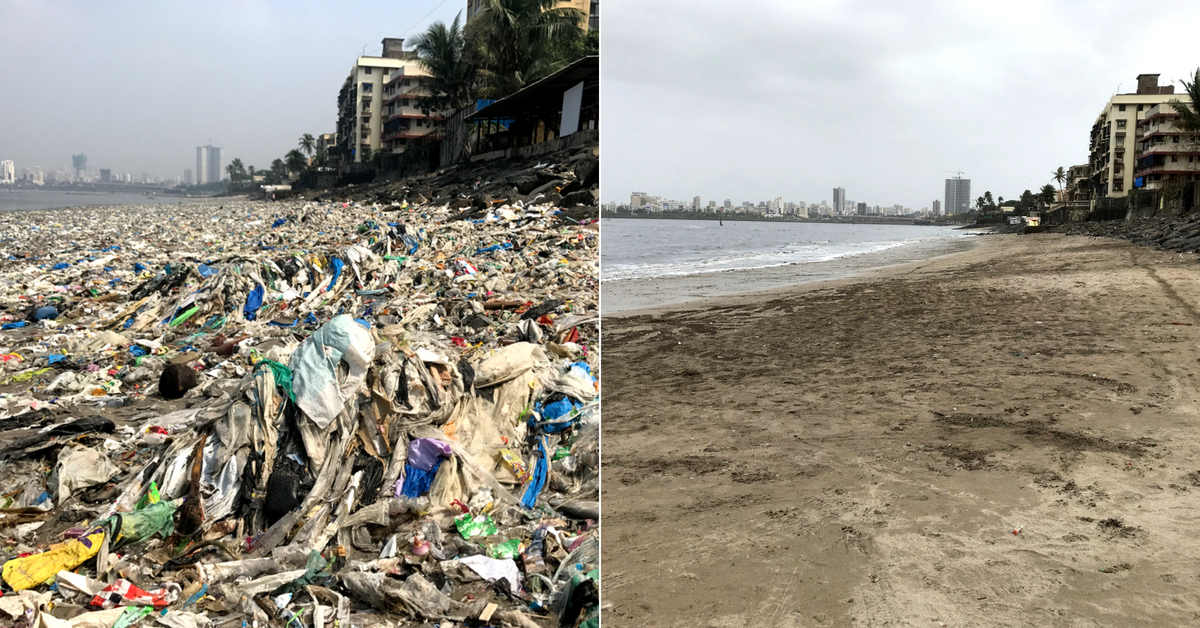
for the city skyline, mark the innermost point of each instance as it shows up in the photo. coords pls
(245, 76)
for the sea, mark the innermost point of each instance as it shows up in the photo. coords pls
(19, 200)
(636, 248)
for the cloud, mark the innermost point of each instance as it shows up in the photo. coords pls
(753, 100)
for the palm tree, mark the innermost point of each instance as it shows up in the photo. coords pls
(1060, 176)
(278, 170)
(516, 39)
(443, 52)
(308, 143)
(295, 161)
(236, 170)
(1189, 112)
(1046, 195)
(320, 159)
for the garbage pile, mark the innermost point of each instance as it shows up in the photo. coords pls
(299, 413)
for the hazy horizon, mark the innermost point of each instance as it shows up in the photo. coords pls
(768, 98)
(139, 87)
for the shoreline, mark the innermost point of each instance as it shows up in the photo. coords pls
(999, 437)
(646, 295)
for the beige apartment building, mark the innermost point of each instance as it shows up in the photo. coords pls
(402, 120)
(379, 91)
(1113, 142)
(1163, 153)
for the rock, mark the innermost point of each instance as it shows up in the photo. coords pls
(176, 380)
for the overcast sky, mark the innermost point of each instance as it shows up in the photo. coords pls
(138, 85)
(755, 99)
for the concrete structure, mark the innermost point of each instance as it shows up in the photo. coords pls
(105, 175)
(187, 176)
(937, 207)
(839, 200)
(326, 142)
(958, 195)
(1113, 136)
(1163, 153)
(208, 164)
(360, 101)
(402, 119)
(8, 171)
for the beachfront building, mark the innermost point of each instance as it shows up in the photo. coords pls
(1113, 136)
(360, 101)
(8, 172)
(326, 142)
(1163, 153)
(402, 120)
(958, 196)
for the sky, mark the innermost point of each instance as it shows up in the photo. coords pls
(758, 99)
(138, 85)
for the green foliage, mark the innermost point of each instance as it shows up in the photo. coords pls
(516, 41)
(453, 69)
(308, 143)
(1189, 112)
(237, 173)
(295, 161)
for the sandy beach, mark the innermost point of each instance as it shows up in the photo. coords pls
(1005, 436)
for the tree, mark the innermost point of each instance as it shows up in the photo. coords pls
(1189, 112)
(278, 172)
(516, 39)
(1046, 195)
(453, 73)
(295, 161)
(308, 143)
(1060, 176)
(321, 158)
(237, 172)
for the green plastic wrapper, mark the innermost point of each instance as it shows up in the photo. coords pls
(469, 526)
(560, 453)
(507, 549)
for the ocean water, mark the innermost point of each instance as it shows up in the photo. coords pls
(17, 200)
(648, 248)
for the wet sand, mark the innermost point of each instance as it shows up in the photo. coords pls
(861, 452)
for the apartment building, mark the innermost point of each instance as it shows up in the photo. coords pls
(402, 119)
(8, 172)
(326, 142)
(1111, 148)
(958, 196)
(1163, 153)
(360, 100)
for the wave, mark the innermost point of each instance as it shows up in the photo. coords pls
(815, 252)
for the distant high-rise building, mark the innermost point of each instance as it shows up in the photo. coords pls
(839, 200)
(187, 176)
(79, 162)
(637, 199)
(862, 209)
(8, 172)
(208, 164)
(105, 175)
(728, 204)
(695, 202)
(937, 207)
(958, 195)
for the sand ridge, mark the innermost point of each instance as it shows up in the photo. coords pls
(861, 453)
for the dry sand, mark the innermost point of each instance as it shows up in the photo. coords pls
(861, 453)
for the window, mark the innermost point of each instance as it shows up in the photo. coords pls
(1120, 107)
(369, 70)
(1174, 139)
(1174, 158)
(1120, 124)
(368, 87)
(1140, 107)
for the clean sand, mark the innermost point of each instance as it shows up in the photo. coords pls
(861, 452)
